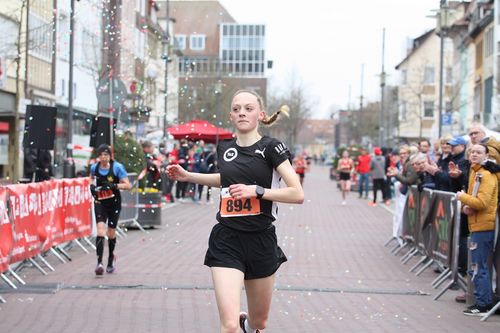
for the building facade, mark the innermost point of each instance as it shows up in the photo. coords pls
(418, 93)
(219, 57)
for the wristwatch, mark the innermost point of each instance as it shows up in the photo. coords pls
(260, 191)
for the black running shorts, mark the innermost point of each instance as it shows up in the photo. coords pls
(256, 254)
(345, 176)
(107, 213)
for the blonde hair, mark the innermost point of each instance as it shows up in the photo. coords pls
(406, 148)
(418, 157)
(268, 120)
(412, 150)
(445, 138)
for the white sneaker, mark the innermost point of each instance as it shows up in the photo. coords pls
(344, 203)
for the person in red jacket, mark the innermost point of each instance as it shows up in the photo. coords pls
(300, 166)
(363, 169)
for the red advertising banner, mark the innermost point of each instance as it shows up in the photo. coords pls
(26, 209)
(77, 208)
(51, 219)
(6, 237)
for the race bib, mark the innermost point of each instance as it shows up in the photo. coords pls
(231, 207)
(105, 194)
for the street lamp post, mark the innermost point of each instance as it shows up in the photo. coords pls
(442, 24)
(69, 165)
(218, 92)
(166, 57)
(382, 87)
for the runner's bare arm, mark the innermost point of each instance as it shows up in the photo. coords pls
(293, 193)
(176, 172)
(124, 184)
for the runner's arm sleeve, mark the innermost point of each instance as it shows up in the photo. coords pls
(278, 153)
(120, 171)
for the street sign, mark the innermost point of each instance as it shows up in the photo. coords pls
(446, 119)
(118, 92)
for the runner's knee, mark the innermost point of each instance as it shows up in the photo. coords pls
(111, 233)
(101, 229)
(259, 322)
(230, 325)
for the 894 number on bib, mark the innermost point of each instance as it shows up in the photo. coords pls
(231, 207)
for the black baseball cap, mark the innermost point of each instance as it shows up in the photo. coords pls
(104, 148)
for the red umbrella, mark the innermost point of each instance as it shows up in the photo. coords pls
(199, 130)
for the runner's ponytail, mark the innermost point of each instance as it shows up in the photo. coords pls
(269, 120)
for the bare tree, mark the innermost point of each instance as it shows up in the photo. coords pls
(300, 103)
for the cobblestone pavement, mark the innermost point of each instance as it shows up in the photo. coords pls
(339, 278)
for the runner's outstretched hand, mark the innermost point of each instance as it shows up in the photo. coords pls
(176, 172)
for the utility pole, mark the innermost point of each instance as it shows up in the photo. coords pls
(382, 87)
(218, 93)
(13, 170)
(26, 52)
(69, 164)
(443, 18)
(361, 105)
(166, 57)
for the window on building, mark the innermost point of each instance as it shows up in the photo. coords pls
(429, 75)
(180, 41)
(63, 87)
(448, 107)
(479, 55)
(140, 6)
(140, 44)
(404, 76)
(429, 109)
(449, 75)
(488, 48)
(90, 49)
(403, 111)
(40, 37)
(197, 42)
(488, 94)
(63, 37)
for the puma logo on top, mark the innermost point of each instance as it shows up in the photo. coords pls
(261, 152)
(280, 148)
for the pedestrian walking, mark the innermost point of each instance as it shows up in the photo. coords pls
(243, 247)
(345, 168)
(107, 177)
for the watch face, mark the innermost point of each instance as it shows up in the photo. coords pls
(259, 190)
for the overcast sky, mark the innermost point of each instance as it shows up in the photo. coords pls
(326, 41)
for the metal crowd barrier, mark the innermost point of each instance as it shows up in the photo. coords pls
(419, 242)
(130, 204)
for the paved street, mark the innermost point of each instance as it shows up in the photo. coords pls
(339, 278)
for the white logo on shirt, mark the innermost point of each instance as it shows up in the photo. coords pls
(280, 148)
(260, 152)
(230, 154)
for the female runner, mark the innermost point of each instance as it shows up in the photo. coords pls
(243, 247)
(345, 167)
